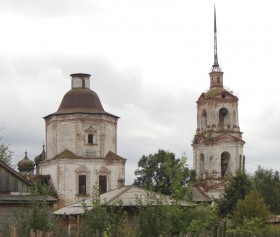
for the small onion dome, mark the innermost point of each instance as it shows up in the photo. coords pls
(41, 157)
(25, 164)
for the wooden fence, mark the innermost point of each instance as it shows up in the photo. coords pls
(218, 230)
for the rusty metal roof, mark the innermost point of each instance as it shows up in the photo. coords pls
(81, 100)
(125, 196)
(19, 198)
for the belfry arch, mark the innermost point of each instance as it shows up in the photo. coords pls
(203, 119)
(201, 164)
(223, 117)
(225, 158)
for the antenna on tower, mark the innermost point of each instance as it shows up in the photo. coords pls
(215, 66)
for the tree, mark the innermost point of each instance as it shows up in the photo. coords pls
(162, 172)
(5, 153)
(235, 188)
(267, 183)
(252, 206)
(38, 215)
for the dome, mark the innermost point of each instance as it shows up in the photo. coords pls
(81, 100)
(25, 164)
(41, 157)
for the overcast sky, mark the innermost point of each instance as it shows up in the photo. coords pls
(149, 61)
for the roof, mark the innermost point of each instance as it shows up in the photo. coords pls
(113, 156)
(81, 100)
(199, 195)
(124, 196)
(25, 164)
(208, 190)
(24, 198)
(11, 170)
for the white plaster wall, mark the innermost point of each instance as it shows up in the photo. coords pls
(64, 176)
(70, 132)
(212, 110)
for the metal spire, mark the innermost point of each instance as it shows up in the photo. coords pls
(216, 64)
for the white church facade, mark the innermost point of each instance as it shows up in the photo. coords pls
(81, 145)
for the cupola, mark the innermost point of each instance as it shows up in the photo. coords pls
(26, 166)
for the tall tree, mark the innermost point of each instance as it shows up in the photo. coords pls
(267, 183)
(252, 206)
(237, 187)
(162, 172)
(5, 153)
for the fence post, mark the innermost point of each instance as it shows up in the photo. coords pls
(214, 231)
(224, 228)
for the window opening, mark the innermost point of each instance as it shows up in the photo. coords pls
(103, 183)
(82, 184)
(83, 83)
(90, 139)
(224, 163)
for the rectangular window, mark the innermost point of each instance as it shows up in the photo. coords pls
(82, 184)
(103, 183)
(90, 139)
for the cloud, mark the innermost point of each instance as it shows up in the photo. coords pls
(50, 8)
(151, 118)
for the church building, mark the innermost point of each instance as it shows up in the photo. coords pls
(217, 144)
(81, 145)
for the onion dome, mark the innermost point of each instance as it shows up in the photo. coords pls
(26, 165)
(41, 157)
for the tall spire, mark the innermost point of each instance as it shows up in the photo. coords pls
(215, 66)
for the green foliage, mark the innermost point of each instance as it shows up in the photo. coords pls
(202, 217)
(252, 206)
(103, 217)
(5, 153)
(250, 226)
(267, 183)
(37, 218)
(236, 188)
(162, 172)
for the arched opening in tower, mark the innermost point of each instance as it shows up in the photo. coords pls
(201, 164)
(223, 118)
(225, 157)
(203, 119)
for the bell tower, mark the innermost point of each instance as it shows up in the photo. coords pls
(217, 144)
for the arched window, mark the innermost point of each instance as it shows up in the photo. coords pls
(201, 164)
(103, 178)
(223, 117)
(225, 157)
(82, 174)
(203, 119)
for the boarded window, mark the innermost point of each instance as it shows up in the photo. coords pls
(103, 183)
(82, 184)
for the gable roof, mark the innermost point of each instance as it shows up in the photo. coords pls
(66, 154)
(126, 196)
(113, 156)
(15, 173)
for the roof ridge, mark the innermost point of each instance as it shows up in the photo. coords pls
(122, 192)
